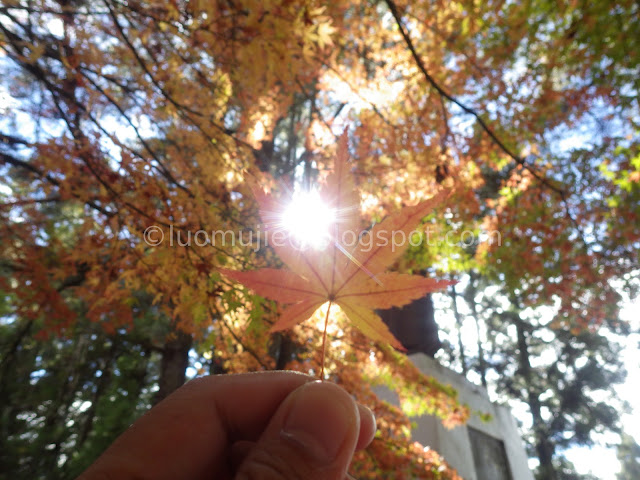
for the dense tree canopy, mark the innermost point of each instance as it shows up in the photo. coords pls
(121, 116)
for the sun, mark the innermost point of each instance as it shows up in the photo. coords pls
(309, 220)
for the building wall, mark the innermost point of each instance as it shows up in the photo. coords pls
(481, 454)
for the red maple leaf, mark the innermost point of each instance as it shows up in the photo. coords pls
(350, 273)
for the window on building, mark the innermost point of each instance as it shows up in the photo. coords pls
(489, 456)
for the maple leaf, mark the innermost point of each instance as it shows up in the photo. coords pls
(325, 31)
(349, 274)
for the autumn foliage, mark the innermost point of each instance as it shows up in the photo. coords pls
(346, 271)
(205, 116)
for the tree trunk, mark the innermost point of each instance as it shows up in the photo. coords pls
(471, 300)
(6, 360)
(174, 363)
(456, 314)
(101, 385)
(286, 352)
(544, 448)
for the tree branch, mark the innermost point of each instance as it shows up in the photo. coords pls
(443, 93)
(521, 161)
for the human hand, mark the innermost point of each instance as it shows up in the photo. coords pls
(268, 425)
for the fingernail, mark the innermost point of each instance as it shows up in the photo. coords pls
(320, 419)
(363, 410)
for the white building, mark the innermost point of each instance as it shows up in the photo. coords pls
(478, 450)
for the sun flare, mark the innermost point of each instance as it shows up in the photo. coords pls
(309, 220)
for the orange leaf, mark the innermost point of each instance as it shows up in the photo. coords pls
(281, 285)
(348, 273)
(295, 314)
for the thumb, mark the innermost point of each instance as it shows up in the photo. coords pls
(312, 435)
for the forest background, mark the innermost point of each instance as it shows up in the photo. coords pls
(120, 116)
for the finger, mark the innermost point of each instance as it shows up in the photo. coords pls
(187, 435)
(367, 427)
(241, 448)
(239, 452)
(312, 435)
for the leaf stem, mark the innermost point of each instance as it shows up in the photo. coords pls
(324, 341)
